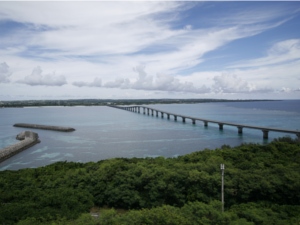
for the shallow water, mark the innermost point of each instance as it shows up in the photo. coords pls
(105, 132)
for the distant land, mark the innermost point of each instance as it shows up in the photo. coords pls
(101, 102)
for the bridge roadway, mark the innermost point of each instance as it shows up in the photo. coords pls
(240, 127)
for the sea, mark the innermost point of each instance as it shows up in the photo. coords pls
(104, 132)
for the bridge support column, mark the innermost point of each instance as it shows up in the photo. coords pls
(220, 126)
(183, 119)
(156, 113)
(144, 110)
(162, 114)
(168, 116)
(205, 123)
(138, 109)
(148, 111)
(175, 118)
(265, 134)
(193, 121)
(240, 130)
(151, 112)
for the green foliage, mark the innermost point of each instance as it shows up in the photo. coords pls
(262, 184)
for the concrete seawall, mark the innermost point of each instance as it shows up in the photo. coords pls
(44, 127)
(27, 138)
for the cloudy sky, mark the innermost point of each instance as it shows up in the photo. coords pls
(67, 50)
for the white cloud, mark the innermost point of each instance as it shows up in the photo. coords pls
(118, 83)
(106, 39)
(160, 82)
(96, 83)
(36, 78)
(188, 27)
(228, 83)
(114, 29)
(281, 52)
(4, 73)
(90, 28)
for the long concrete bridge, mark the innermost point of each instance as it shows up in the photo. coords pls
(152, 111)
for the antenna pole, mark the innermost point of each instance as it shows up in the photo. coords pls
(222, 188)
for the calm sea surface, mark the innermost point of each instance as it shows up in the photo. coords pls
(104, 132)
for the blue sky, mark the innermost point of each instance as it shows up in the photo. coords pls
(149, 49)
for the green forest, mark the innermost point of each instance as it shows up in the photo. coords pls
(262, 186)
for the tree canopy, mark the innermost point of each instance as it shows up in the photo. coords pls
(262, 184)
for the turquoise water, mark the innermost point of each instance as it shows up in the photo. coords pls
(105, 132)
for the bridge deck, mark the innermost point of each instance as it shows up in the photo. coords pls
(221, 123)
(229, 123)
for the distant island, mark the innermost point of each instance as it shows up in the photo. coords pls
(101, 102)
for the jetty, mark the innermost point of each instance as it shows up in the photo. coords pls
(44, 127)
(28, 139)
(240, 127)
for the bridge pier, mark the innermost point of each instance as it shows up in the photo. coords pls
(265, 134)
(240, 127)
(220, 126)
(240, 130)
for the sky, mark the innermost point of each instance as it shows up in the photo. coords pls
(149, 49)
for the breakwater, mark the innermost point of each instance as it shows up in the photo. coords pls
(44, 127)
(28, 139)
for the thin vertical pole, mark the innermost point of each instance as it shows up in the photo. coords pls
(222, 189)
